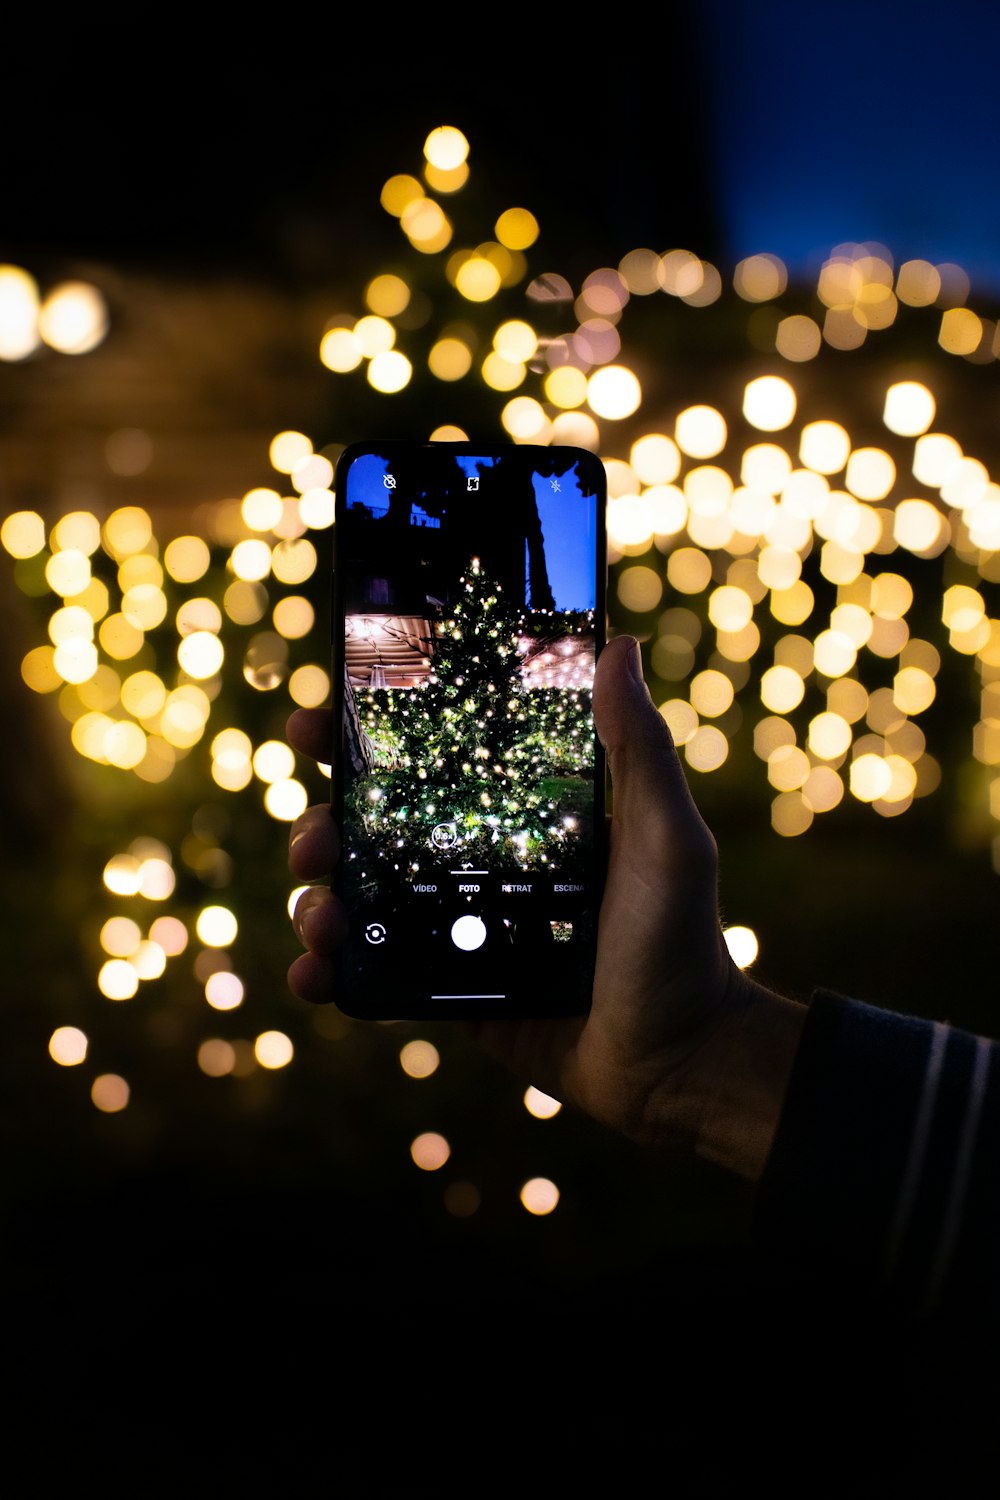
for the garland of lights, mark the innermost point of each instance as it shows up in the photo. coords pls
(750, 551)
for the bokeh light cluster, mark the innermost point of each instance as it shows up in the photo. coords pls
(71, 318)
(809, 559)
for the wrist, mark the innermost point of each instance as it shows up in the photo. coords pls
(750, 1079)
(727, 1100)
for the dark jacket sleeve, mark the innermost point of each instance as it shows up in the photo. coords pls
(886, 1161)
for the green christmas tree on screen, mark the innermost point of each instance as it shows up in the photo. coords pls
(481, 764)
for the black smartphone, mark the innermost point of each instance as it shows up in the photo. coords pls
(468, 783)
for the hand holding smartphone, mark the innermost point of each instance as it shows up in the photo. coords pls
(468, 783)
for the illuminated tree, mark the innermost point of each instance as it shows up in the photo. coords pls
(472, 756)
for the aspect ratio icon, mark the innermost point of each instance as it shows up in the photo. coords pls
(375, 933)
(472, 483)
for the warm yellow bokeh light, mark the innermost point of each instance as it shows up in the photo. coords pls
(450, 359)
(680, 718)
(871, 473)
(216, 926)
(419, 1059)
(824, 447)
(389, 372)
(430, 1151)
(309, 686)
(769, 403)
(273, 761)
(68, 572)
(19, 304)
(262, 509)
(781, 689)
(918, 283)
(517, 229)
(655, 459)
(75, 660)
(224, 990)
(524, 419)
(700, 431)
(791, 814)
(68, 1046)
(117, 979)
(798, 338)
(742, 944)
(399, 192)
(566, 387)
(171, 934)
(502, 374)
(251, 560)
(909, 408)
(317, 509)
(186, 558)
(273, 1049)
(689, 570)
(614, 392)
(38, 670)
(729, 608)
(110, 1093)
(23, 533)
(126, 531)
(340, 351)
(918, 525)
(871, 777)
(286, 799)
(201, 654)
(73, 318)
(961, 331)
(446, 148)
(388, 296)
(216, 1058)
(287, 448)
(759, 278)
(640, 589)
(829, 736)
(79, 529)
(707, 749)
(374, 335)
(477, 279)
(539, 1196)
(711, 693)
(426, 225)
(516, 341)
(294, 561)
(542, 1106)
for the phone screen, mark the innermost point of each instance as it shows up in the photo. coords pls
(469, 608)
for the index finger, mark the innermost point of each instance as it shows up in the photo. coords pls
(310, 730)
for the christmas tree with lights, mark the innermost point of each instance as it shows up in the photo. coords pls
(472, 758)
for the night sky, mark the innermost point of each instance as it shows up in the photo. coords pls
(777, 127)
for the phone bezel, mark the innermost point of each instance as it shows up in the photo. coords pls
(537, 1005)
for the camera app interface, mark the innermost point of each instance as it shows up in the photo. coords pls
(468, 752)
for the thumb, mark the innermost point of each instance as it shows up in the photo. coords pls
(652, 801)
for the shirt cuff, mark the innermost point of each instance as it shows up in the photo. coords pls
(876, 1163)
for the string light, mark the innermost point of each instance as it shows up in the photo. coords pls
(751, 536)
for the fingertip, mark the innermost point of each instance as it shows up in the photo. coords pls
(310, 978)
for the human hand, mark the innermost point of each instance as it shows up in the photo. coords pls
(679, 1049)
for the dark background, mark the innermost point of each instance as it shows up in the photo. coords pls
(263, 1292)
